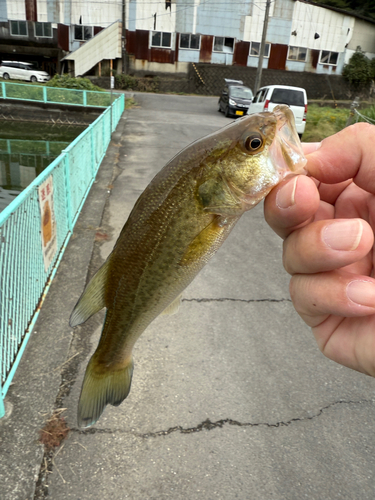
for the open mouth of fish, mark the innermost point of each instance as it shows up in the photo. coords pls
(286, 150)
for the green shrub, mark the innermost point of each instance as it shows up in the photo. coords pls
(128, 82)
(360, 70)
(68, 82)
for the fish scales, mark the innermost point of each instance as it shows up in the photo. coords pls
(178, 223)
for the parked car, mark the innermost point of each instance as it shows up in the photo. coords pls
(295, 97)
(235, 98)
(22, 71)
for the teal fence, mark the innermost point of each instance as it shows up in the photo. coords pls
(34, 231)
(54, 95)
(31, 147)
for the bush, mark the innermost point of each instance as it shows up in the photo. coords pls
(128, 82)
(360, 70)
(68, 82)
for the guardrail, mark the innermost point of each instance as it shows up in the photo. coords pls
(34, 232)
(55, 95)
(30, 147)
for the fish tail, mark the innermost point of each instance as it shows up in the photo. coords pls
(101, 386)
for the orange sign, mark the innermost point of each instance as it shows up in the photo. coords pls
(48, 221)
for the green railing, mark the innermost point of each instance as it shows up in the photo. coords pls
(54, 95)
(30, 147)
(34, 231)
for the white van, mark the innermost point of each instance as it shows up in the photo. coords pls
(295, 97)
(22, 71)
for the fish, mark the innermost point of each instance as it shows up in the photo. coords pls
(177, 224)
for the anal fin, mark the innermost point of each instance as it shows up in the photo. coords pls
(93, 298)
(173, 307)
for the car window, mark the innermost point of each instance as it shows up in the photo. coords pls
(262, 95)
(288, 96)
(241, 93)
(257, 95)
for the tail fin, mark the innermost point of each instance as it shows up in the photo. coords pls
(101, 387)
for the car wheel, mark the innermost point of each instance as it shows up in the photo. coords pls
(6, 76)
(219, 108)
(33, 79)
(227, 114)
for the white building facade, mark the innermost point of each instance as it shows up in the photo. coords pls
(168, 35)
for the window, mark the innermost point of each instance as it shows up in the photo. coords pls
(18, 28)
(43, 30)
(297, 53)
(327, 57)
(189, 41)
(82, 32)
(222, 44)
(260, 95)
(241, 93)
(255, 49)
(160, 39)
(288, 96)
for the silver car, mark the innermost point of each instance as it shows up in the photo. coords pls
(22, 71)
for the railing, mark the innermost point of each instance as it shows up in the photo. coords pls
(54, 95)
(30, 147)
(34, 231)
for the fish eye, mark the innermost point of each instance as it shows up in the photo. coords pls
(253, 143)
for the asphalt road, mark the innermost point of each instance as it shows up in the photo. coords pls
(231, 398)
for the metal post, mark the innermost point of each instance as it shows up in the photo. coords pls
(44, 94)
(3, 88)
(258, 77)
(123, 41)
(353, 107)
(111, 85)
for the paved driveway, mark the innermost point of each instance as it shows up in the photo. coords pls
(231, 397)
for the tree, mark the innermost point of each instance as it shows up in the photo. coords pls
(359, 70)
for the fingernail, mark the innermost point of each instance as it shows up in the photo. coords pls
(361, 292)
(343, 235)
(285, 197)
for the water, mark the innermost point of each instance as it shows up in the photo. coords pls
(26, 149)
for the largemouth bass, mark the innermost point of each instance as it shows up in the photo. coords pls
(178, 223)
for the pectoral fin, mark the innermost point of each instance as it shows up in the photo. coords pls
(207, 242)
(217, 197)
(93, 298)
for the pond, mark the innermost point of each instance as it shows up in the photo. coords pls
(26, 149)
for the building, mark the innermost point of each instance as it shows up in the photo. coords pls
(168, 35)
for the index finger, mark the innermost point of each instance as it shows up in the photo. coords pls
(349, 154)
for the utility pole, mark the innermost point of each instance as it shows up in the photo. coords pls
(123, 37)
(258, 76)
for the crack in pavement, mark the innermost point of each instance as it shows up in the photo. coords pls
(207, 425)
(229, 299)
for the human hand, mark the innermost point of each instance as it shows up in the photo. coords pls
(327, 222)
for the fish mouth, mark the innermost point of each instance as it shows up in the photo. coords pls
(286, 149)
